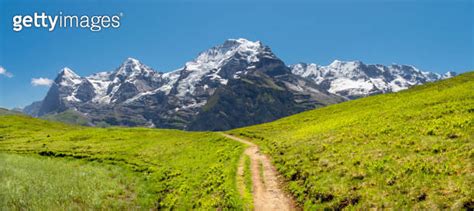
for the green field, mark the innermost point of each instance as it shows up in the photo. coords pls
(166, 168)
(35, 182)
(412, 149)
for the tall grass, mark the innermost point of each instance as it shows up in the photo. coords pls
(38, 183)
(179, 170)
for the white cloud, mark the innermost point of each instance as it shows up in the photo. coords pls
(4, 72)
(41, 81)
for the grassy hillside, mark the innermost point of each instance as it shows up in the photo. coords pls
(68, 117)
(173, 169)
(412, 149)
(9, 112)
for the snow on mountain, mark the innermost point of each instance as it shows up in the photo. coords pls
(353, 79)
(169, 79)
(244, 80)
(101, 82)
(133, 80)
(130, 78)
(67, 77)
(71, 81)
(209, 63)
(132, 69)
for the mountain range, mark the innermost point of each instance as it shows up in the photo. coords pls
(235, 84)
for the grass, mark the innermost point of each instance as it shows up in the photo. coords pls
(248, 174)
(412, 149)
(175, 169)
(40, 183)
(246, 184)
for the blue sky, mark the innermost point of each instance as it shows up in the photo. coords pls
(431, 35)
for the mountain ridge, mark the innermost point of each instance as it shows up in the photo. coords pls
(259, 86)
(354, 79)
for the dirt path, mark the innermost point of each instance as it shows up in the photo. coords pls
(267, 194)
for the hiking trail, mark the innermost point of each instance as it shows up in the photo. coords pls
(267, 192)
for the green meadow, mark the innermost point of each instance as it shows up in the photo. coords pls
(412, 149)
(141, 168)
(35, 182)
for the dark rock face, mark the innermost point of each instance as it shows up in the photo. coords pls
(52, 102)
(85, 91)
(235, 84)
(125, 91)
(252, 100)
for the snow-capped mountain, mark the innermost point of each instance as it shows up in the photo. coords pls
(234, 84)
(354, 79)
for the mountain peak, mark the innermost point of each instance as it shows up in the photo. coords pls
(129, 65)
(336, 62)
(67, 72)
(242, 42)
(67, 77)
(133, 67)
(345, 65)
(131, 60)
(245, 49)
